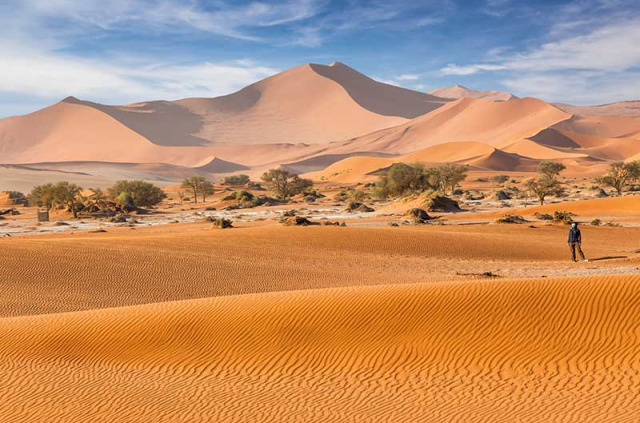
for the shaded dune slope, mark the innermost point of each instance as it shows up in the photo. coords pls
(553, 350)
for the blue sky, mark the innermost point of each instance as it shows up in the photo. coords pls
(122, 51)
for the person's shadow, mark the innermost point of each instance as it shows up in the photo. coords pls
(607, 258)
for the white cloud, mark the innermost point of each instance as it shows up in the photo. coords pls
(224, 18)
(408, 77)
(598, 66)
(49, 75)
(452, 69)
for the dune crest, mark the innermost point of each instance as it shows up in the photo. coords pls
(458, 91)
(389, 353)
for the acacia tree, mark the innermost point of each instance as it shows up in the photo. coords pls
(68, 195)
(197, 185)
(206, 189)
(143, 194)
(620, 174)
(550, 169)
(543, 187)
(449, 175)
(285, 184)
(99, 198)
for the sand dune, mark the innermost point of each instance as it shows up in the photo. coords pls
(600, 126)
(475, 154)
(458, 91)
(494, 123)
(620, 108)
(533, 150)
(560, 350)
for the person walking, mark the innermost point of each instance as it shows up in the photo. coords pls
(575, 241)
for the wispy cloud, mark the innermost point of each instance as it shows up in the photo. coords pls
(221, 17)
(596, 61)
(452, 69)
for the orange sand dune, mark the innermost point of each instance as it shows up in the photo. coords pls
(308, 104)
(600, 126)
(494, 123)
(476, 154)
(620, 108)
(534, 150)
(626, 206)
(71, 132)
(552, 350)
(61, 273)
(458, 91)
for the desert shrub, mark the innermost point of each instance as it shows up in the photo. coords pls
(142, 193)
(440, 203)
(543, 216)
(508, 218)
(498, 180)
(356, 195)
(564, 217)
(340, 196)
(296, 221)
(482, 180)
(596, 222)
(417, 216)
(236, 180)
(612, 225)
(17, 197)
(222, 223)
(353, 207)
(125, 202)
(289, 213)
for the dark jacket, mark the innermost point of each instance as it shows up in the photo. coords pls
(574, 235)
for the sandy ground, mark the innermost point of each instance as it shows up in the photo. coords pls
(264, 322)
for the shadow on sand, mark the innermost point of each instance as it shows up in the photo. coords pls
(607, 258)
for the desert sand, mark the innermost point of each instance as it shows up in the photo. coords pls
(185, 323)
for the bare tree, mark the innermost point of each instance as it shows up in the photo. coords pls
(196, 184)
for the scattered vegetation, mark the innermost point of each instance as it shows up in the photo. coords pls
(564, 217)
(198, 185)
(17, 197)
(222, 223)
(236, 180)
(547, 184)
(417, 216)
(498, 180)
(142, 194)
(620, 175)
(353, 207)
(285, 184)
(63, 195)
(543, 216)
(402, 179)
(508, 218)
(596, 222)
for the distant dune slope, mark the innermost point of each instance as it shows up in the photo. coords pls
(468, 119)
(620, 108)
(476, 154)
(552, 350)
(458, 91)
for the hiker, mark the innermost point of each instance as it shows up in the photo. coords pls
(575, 239)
